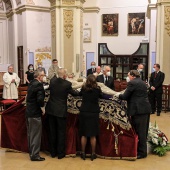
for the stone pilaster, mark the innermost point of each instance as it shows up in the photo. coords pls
(163, 37)
(67, 28)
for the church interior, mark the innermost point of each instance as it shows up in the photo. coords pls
(117, 33)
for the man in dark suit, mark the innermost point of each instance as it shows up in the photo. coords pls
(138, 109)
(92, 69)
(156, 81)
(57, 112)
(34, 102)
(106, 78)
(140, 70)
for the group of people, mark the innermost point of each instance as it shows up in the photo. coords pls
(56, 110)
(102, 76)
(136, 95)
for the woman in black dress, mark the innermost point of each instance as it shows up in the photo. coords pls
(29, 75)
(89, 114)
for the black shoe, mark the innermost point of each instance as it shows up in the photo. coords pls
(93, 156)
(61, 156)
(83, 156)
(140, 157)
(53, 155)
(38, 159)
(158, 113)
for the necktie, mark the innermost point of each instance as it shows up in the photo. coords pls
(106, 80)
(156, 74)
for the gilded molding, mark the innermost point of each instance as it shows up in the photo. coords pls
(30, 2)
(167, 19)
(53, 23)
(68, 22)
(44, 49)
(68, 2)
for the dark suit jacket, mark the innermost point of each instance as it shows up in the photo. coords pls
(35, 99)
(110, 82)
(59, 90)
(90, 100)
(89, 71)
(137, 97)
(157, 82)
(141, 75)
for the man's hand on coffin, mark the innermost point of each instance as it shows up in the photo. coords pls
(79, 89)
(46, 87)
(117, 95)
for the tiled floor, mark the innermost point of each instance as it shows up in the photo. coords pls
(20, 161)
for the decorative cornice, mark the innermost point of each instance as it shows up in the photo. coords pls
(66, 6)
(167, 19)
(68, 22)
(150, 6)
(91, 10)
(23, 8)
(32, 8)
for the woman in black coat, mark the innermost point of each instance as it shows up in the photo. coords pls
(89, 114)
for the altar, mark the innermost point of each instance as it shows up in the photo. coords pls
(116, 140)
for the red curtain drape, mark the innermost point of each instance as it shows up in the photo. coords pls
(14, 135)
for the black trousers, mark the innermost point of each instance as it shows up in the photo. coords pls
(155, 101)
(34, 132)
(141, 125)
(57, 135)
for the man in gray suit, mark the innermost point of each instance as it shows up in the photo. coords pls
(34, 110)
(57, 112)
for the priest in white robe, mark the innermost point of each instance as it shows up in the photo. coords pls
(11, 83)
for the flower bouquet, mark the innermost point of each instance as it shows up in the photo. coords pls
(158, 140)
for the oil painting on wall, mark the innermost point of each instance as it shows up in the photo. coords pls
(136, 24)
(110, 24)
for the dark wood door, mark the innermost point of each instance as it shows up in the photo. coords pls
(20, 64)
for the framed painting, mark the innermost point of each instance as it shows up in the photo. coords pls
(110, 24)
(136, 23)
(87, 35)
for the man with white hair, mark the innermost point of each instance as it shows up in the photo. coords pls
(106, 78)
(98, 71)
(57, 112)
(11, 83)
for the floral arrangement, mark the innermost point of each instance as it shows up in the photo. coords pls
(158, 140)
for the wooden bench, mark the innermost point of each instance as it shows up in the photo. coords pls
(22, 91)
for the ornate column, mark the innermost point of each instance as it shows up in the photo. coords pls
(163, 37)
(67, 31)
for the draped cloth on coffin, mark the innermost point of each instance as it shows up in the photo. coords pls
(113, 120)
